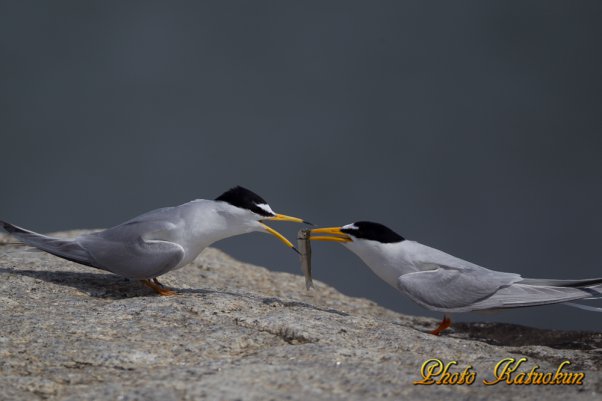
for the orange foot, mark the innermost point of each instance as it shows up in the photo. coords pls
(158, 287)
(445, 323)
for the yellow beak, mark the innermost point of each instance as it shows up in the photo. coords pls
(337, 234)
(282, 217)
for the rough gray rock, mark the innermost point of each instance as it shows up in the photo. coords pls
(237, 331)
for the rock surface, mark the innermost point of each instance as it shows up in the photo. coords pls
(237, 331)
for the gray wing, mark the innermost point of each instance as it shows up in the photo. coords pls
(137, 249)
(449, 289)
(447, 283)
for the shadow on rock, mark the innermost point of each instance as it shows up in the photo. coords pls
(97, 285)
(515, 335)
(111, 286)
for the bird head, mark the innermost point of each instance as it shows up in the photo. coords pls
(358, 236)
(251, 210)
(374, 243)
(357, 232)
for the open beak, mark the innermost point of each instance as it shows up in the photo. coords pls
(337, 234)
(282, 217)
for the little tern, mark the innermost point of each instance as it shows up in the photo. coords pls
(162, 240)
(442, 282)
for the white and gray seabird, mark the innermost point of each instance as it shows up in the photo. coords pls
(442, 282)
(162, 240)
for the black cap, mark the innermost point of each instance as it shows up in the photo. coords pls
(373, 231)
(245, 199)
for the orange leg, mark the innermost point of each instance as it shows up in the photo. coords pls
(445, 323)
(158, 287)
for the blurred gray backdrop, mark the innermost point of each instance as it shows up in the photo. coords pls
(474, 127)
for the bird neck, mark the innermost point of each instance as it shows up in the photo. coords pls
(210, 221)
(383, 259)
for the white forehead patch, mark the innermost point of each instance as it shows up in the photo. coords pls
(265, 207)
(350, 227)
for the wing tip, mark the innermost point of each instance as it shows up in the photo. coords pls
(11, 228)
(7, 226)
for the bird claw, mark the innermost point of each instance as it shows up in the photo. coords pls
(159, 288)
(445, 323)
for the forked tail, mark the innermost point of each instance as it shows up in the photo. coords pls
(591, 289)
(63, 248)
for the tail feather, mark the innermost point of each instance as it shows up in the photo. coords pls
(562, 283)
(63, 248)
(518, 295)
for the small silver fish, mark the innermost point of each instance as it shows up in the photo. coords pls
(304, 245)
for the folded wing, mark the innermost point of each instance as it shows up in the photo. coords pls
(449, 284)
(448, 289)
(137, 249)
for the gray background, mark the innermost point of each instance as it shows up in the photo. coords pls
(473, 127)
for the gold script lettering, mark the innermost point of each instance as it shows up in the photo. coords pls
(503, 370)
(435, 369)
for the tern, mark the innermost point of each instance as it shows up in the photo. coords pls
(162, 240)
(441, 282)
